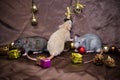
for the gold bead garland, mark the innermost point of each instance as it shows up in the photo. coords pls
(34, 11)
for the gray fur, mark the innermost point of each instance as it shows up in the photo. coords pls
(34, 43)
(91, 42)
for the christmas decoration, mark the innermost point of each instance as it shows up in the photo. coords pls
(72, 45)
(68, 14)
(105, 49)
(39, 59)
(34, 20)
(98, 59)
(76, 58)
(78, 7)
(11, 46)
(69, 45)
(113, 50)
(4, 49)
(110, 62)
(81, 50)
(45, 62)
(42, 61)
(34, 10)
(14, 54)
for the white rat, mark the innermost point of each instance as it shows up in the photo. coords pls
(57, 40)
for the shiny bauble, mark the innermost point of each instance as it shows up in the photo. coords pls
(113, 50)
(81, 50)
(77, 8)
(12, 46)
(34, 8)
(69, 46)
(105, 49)
(34, 21)
(72, 45)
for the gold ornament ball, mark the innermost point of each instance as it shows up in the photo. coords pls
(113, 49)
(34, 21)
(34, 8)
(105, 49)
(72, 45)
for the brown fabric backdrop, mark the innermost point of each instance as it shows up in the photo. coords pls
(99, 16)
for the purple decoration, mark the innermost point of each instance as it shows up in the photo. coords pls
(45, 63)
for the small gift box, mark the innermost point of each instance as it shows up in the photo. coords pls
(76, 58)
(43, 62)
(39, 59)
(13, 54)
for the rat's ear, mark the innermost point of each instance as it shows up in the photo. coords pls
(83, 39)
(75, 37)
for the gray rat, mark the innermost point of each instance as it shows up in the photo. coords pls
(33, 43)
(91, 42)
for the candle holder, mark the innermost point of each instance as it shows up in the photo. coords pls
(68, 14)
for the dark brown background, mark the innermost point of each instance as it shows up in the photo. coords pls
(99, 16)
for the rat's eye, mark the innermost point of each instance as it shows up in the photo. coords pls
(18, 41)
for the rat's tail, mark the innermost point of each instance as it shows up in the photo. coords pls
(51, 57)
(33, 59)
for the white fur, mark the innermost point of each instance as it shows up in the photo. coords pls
(57, 40)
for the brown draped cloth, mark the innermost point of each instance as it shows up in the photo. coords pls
(101, 17)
